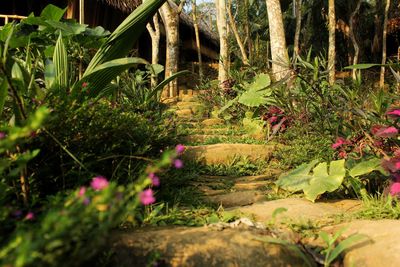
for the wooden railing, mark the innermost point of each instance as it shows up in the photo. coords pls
(7, 18)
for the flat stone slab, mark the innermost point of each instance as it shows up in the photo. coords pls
(198, 138)
(213, 122)
(198, 247)
(184, 113)
(237, 199)
(380, 248)
(299, 209)
(226, 153)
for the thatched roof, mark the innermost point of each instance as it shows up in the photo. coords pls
(127, 6)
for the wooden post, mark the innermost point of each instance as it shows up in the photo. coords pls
(82, 11)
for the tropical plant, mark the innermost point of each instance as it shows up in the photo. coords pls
(315, 178)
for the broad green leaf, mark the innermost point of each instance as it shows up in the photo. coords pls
(366, 167)
(103, 74)
(322, 181)
(3, 93)
(68, 29)
(120, 42)
(296, 179)
(156, 68)
(257, 93)
(17, 75)
(52, 12)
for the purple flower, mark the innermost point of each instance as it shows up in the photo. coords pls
(81, 191)
(178, 164)
(99, 183)
(155, 180)
(2, 135)
(30, 216)
(17, 213)
(395, 189)
(387, 132)
(146, 197)
(395, 112)
(180, 149)
(86, 201)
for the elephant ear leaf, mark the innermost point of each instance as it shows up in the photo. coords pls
(314, 183)
(323, 181)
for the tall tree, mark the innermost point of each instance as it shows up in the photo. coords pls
(384, 37)
(332, 40)
(235, 31)
(223, 40)
(198, 44)
(279, 53)
(170, 16)
(154, 31)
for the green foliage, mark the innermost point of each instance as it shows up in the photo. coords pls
(257, 93)
(334, 249)
(379, 207)
(322, 180)
(73, 228)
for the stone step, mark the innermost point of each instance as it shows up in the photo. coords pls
(236, 199)
(299, 209)
(226, 153)
(201, 138)
(198, 247)
(213, 122)
(184, 113)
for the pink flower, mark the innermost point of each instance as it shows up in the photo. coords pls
(81, 191)
(387, 132)
(99, 183)
(396, 177)
(392, 165)
(85, 84)
(2, 135)
(395, 112)
(154, 179)
(146, 197)
(339, 142)
(395, 189)
(179, 149)
(273, 119)
(30, 216)
(178, 164)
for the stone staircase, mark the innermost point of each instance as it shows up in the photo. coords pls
(262, 236)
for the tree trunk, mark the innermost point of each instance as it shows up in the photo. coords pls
(279, 53)
(298, 28)
(384, 37)
(170, 17)
(249, 41)
(155, 44)
(354, 39)
(198, 45)
(223, 40)
(332, 44)
(236, 33)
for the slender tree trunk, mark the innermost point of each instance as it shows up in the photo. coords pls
(249, 41)
(155, 44)
(170, 17)
(354, 39)
(198, 44)
(279, 53)
(332, 40)
(384, 38)
(236, 34)
(223, 40)
(298, 28)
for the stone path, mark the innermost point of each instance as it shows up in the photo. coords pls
(281, 232)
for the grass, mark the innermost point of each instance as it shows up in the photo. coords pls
(379, 207)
